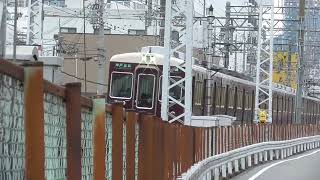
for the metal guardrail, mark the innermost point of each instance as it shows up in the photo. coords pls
(230, 162)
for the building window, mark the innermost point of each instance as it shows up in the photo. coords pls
(136, 32)
(68, 30)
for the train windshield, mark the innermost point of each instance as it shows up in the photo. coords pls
(121, 85)
(145, 94)
(175, 92)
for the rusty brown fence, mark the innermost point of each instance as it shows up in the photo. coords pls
(52, 132)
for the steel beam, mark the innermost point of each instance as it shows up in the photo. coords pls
(179, 17)
(264, 67)
(35, 23)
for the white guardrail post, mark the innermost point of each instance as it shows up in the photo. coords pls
(228, 163)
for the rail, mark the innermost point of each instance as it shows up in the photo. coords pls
(230, 162)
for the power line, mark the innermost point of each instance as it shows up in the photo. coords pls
(82, 79)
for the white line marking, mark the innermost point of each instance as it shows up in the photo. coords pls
(272, 165)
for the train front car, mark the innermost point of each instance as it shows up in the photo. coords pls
(136, 80)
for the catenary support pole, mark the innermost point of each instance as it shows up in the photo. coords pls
(301, 67)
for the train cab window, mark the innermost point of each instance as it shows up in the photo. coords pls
(175, 92)
(121, 85)
(145, 92)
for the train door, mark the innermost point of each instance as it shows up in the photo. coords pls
(146, 89)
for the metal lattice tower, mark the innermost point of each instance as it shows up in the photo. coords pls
(301, 64)
(178, 17)
(264, 68)
(35, 22)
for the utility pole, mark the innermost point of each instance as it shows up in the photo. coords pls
(228, 36)
(3, 23)
(300, 77)
(204, 7)
(15, 30)
(84, 45)
(214, 61)
(289, 78)
(252, 36)
(162, 22)
(101, 48)
(209, 61)
(204, 34)
(235, 56)
(210, 36)
(148, 14)
(244, 62)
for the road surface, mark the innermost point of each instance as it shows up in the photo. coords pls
(304, 166)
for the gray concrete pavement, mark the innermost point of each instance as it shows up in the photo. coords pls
(305, 168)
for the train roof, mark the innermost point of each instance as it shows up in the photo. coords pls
(138, 58)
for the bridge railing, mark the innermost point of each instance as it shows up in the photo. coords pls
(165, 151)
(229, 163)
(52, 132)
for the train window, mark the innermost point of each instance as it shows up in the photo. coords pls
(240, 99)
(214, 97)
(145, 92)
(249, 101)
(289, 105)
(175, 92)
(231, 97)
(218, 95)
(246, 101)
(223, 97)
(201, 87)
(121, 85)
(198, 91)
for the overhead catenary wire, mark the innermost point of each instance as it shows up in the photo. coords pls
(82, 79)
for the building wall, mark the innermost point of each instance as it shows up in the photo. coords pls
(115, 44)
(311, 38)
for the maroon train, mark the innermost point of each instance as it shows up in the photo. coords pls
(135, 79)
